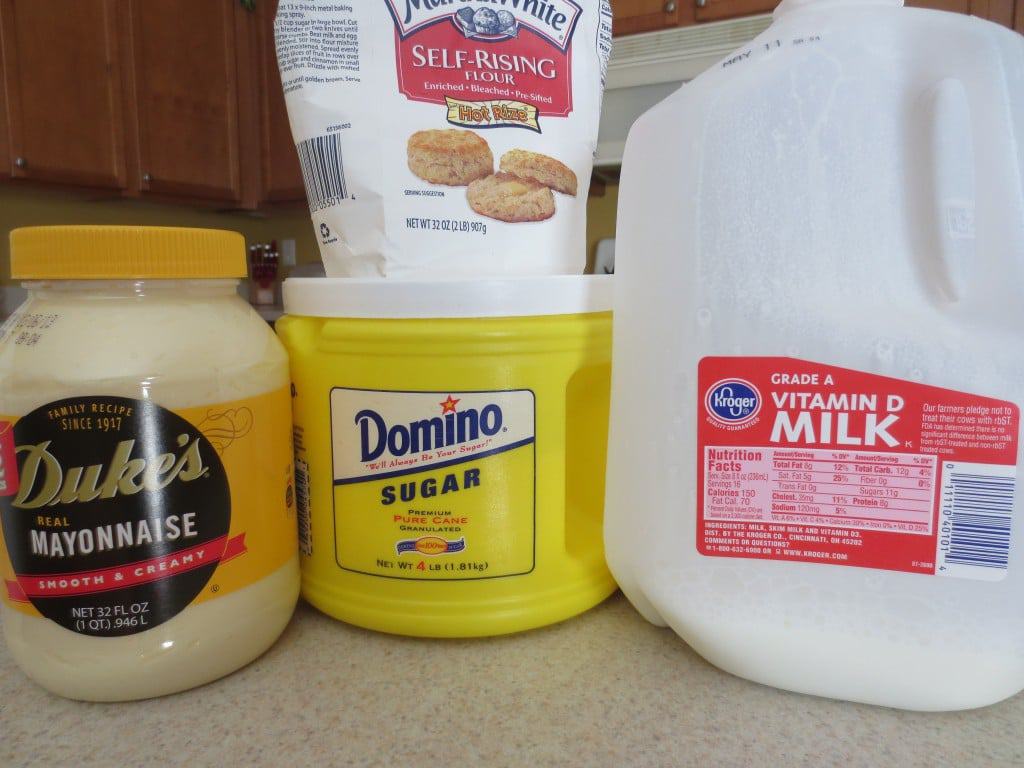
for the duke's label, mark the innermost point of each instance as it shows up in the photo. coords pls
(8, 460)
(117, 514)
(434, 485)
(808, 462)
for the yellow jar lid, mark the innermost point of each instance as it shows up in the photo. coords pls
(117, 253)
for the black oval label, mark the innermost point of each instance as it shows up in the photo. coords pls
(121, 513)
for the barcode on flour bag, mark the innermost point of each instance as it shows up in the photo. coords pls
(323, 171)
(975, 520)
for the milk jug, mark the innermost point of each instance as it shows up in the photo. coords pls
(819, 358)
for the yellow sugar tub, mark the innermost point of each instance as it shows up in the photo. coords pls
(450, 449)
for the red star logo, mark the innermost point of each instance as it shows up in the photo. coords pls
(448, 406)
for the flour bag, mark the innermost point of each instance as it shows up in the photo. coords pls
(446, 138)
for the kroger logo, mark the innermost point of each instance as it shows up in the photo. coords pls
(734, 401)
(490, 20)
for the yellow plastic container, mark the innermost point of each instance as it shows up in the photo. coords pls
(450, 450)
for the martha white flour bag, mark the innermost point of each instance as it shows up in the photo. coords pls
(446, 138)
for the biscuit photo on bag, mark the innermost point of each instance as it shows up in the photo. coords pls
(541, 168)
(509, 198)
(449, 156)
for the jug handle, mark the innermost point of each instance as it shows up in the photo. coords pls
(945, 156)
(972, 235)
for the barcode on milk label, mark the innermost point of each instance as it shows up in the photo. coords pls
(807, 462)
(975, 520)
(434, 485)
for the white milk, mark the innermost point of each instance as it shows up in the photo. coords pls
(846, 191)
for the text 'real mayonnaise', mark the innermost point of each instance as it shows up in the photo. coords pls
(146, 485)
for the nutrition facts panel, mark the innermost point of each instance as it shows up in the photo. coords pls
(861, 490)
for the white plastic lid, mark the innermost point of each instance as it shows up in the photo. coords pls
(408, 299)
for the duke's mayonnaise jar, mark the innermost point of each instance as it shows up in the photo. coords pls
(450, 449)
(146, 499)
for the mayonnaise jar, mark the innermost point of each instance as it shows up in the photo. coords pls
(146, 484)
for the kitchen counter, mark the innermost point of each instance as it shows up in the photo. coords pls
(606, 689)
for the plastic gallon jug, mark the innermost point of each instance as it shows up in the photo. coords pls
(450, 450)
(819, 358)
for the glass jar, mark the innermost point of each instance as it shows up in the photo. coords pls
(146, 483)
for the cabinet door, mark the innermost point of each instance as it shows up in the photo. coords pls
(62, 79)
(281, 174)
(184, 90)
(999, 11)
(714, 10)
(5, 131)
(1018, 23)
(955, 6)
(632, 16)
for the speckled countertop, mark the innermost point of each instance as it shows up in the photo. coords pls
(605, 689)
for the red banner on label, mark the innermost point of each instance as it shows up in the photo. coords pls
(119, 577)
(8, 460)
(808, 462)
(440, 62)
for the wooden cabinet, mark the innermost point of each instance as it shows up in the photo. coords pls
(5, 135)
(956, 6)
(716, 10)
(633, 16)
(61, 73)
(281, 175)
(183, 88)
(999, 11)
(166, 99)
(182, 100)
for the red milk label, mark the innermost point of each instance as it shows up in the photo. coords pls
(809, 462)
